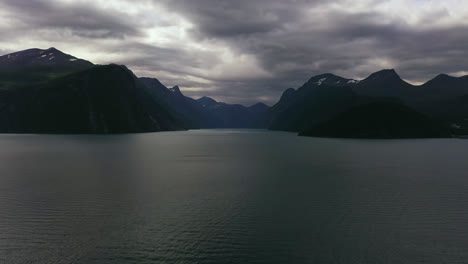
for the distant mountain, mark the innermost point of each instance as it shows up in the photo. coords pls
(204, 112)
(207, 102)
(187, 109)
(232, 115)
(382, 119)
(258, 108)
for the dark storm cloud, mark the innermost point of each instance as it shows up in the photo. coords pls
(78, 19)
(225, 18)
(294, 45)
(177, 60)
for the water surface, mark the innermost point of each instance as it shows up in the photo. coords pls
(232, 196)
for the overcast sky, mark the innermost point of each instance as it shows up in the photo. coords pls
(245, 51)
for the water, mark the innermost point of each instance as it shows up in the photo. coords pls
(226, 196)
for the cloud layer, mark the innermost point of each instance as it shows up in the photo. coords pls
(246, 51)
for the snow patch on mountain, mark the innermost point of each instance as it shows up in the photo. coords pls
(321, 81)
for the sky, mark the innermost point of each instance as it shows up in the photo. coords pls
(247, 51)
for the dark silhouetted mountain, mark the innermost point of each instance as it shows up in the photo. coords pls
(442, 98)
(323, 97)
(232, 115)
(298, 109)
(204, 112)
(186, 109)
(36, 58)
(259, 108)
(207, 101)
(385, 83)
(48, 91)
(297, 112)
(102, 99)
(379, 120)
(34, 65)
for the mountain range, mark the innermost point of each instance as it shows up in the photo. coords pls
(326, 99)
(48, 91)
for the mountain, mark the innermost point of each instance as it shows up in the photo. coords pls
(323, 97)
(101, 99)
(232, 115)
(443, 98)
(258, 108)
(380, 119)
(35, 65)
(188, 110)
(384, 83)
(207, 102)
(204, 112)
(37, 58)
(319, 98)
(300, 109)
(48, 91)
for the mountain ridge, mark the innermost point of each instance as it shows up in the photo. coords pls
(443, 99)
(48, 91)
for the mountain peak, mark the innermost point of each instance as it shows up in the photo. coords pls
(329, 79)
(325, 76)
(41, 58)
(384, 74)
(444, 80)
(52, 49)
(384, 83)
(259, 107)
(289, 93)
(175, 89)
(443, 77)
(260, 104)
(207, 101)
